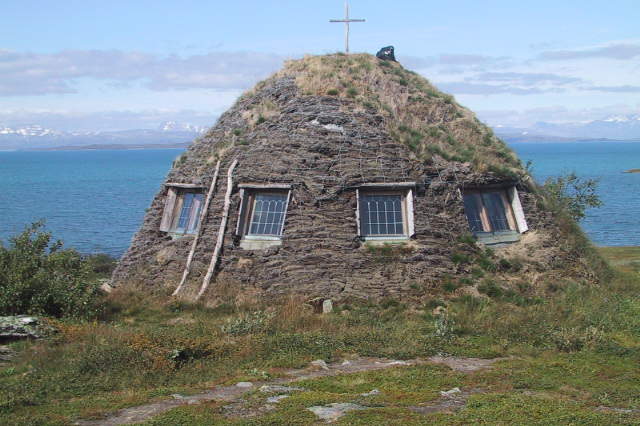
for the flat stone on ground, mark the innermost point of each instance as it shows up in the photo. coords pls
(332, 412)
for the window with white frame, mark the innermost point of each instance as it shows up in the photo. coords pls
(385, 212)
(263, 211)
(183, 205)
(494, 211)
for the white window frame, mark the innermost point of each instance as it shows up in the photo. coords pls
(248, 193)
(406, 191)
(174, 200)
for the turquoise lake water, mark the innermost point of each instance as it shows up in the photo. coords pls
(95, 200)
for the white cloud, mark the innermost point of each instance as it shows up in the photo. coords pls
(619, 51)
(37, 74)
(552, 114)
(103, 120)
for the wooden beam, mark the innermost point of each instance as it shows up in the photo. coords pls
(386, 185)
(183, 185)
(221, 229)
(194, 244)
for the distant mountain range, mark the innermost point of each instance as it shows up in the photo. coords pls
(617, 127)
(171, 133)
(31, 136)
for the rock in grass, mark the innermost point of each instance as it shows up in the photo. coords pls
(244, 385)
(24, 327)
(6, 354)
(333, 412)
(276, 399)
(279, 389)
(450, 392)
(318, 363)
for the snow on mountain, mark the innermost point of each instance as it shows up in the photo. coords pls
(31, 130)
(623, 118)
(617, 127)
(33, 136)
(173, 126)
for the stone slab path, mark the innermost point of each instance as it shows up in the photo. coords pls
(234, 393)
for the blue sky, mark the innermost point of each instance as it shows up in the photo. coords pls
(110, 65)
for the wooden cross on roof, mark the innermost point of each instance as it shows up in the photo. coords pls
(346, 21)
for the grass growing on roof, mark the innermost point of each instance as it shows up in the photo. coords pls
(410, 105)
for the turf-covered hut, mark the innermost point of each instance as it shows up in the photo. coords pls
(346, 176)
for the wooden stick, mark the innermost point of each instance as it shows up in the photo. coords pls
(203, 214)
(221, 229)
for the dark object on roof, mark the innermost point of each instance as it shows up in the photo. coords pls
(386, 54)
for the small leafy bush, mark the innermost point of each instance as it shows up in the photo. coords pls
(491, 289)
(460, 258)
(38, 277)
(332, 92)
(390, 302)
(575, 339)
(573, 194)
(467, 239)
(445, 325)
(101, 263)
(249, 323)
(449, 286)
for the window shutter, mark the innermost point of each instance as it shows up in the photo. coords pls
(286, 207)
(167, 214)
(358, 211)
(411, 228)
(241, 213)
(517, 210)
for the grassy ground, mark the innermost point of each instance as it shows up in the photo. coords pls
(627, 258)
(568, 353)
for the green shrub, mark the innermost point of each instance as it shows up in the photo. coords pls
(101, 263)
(445, 325)
(467, 239)
(332, 92)
(477, 272)
(352, 92)
(389, 302)
(249, 323)
(431, 304)
(460, 258)
(491, 289)
(486, 264)
(38, 277)
(572, 194)
(449, 286)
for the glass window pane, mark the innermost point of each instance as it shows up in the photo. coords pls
(189, 213)
(496, 211)
(473, 209)
(381, 214)
(268, 214)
